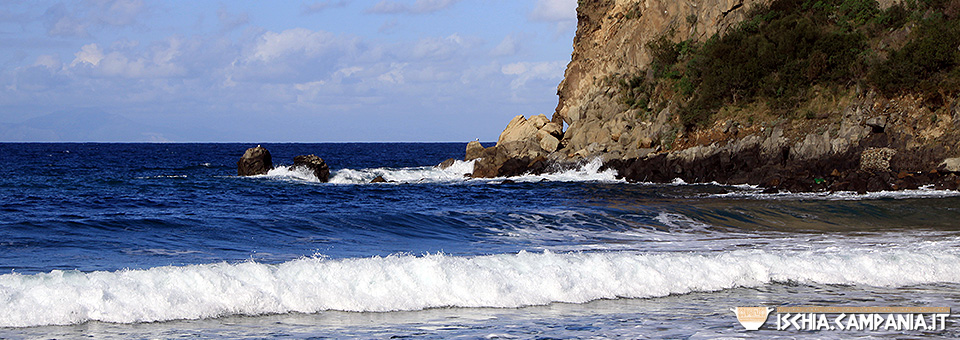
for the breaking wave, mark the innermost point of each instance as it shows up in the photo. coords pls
(407, 282)
(456, 173)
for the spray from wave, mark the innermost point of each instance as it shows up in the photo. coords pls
(456, 173)
(405, 282)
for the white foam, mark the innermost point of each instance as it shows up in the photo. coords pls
(299, 174)
(398, 283)
(162, 176)
(588, 172)
(924, 192)
(425, 174)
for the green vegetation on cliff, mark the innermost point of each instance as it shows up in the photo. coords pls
(784, 50)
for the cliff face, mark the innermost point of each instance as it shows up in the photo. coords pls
(611, 43)
(627, 96)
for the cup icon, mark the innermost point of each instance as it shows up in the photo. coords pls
(752, 317)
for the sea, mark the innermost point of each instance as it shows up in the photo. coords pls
(161, 241)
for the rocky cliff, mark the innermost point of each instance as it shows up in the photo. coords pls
(787, 94)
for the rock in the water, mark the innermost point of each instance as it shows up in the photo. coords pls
(447, 163)
(949, 165)
(315, 164)
(474, 151)
(518, 129)
(522, 148)
(255, 161)
(379, 179)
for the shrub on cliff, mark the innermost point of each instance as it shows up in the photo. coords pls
(928, 60)
(783, 49)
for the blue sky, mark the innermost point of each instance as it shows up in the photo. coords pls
(328, 70)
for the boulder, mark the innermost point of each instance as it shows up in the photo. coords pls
(255, 161)
(517, 130)
(474, 151)
(538, 121)
(379, 179)
(315, 164)
(949, 165)
(553, 129)
(548, 142)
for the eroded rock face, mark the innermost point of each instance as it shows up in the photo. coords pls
(315, 164)
(255, 161)
(611, 42)
(860, 141)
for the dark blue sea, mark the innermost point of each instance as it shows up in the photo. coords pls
(165, 241)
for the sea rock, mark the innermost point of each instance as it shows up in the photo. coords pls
(447, 163)
(379, 179)
(474, 151)
(949, 165)
(255, 161)
(315, 164)
(518, 129)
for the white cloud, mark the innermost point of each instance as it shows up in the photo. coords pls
(273, 45)
(526, 71)
(562, 13)
(157, 62)
(507, 47)
(60, 21)
(78, 19)
(555, 10)
(49, 61)
(418, 7)
(229, 21)
(321, 6)
(395, 75)
(90, 54)
(438, 48)
(119, 12)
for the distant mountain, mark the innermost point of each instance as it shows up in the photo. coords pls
(84, 125)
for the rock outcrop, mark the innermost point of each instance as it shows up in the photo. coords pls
(314, 164)
(844, 139)
(255, 161)
(522, 147)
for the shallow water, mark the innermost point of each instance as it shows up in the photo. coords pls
(163, 240)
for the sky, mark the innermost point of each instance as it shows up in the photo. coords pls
(299, 71)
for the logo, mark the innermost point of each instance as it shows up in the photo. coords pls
(818, 318)
(752, 317)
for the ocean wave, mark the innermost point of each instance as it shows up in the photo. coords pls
(588, 172)
(424, 174)
(407, 282)
(924, 192)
